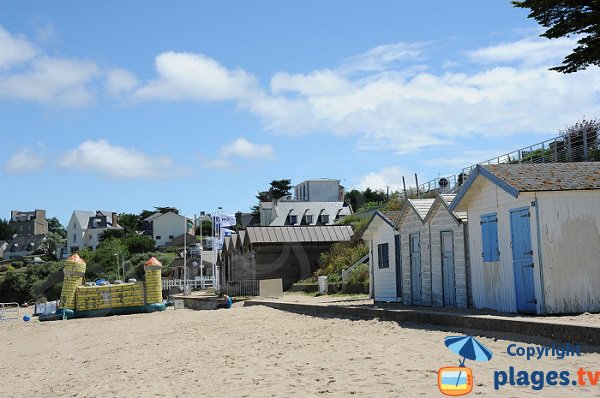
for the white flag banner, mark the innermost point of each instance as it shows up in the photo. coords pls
(221, 223)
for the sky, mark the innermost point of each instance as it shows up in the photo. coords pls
(123, 106)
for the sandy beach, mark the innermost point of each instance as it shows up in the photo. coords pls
(249, 352)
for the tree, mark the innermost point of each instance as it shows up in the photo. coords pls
(164, 210)
(206, 228)
(564, 18)
(6, 230)
(53, 241)
(139, 244)
(278, 189)
(129, 222)
(355, 198)
(587, 130)
(112, 233)
(54, 226)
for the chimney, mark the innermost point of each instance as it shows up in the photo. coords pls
(115, 219)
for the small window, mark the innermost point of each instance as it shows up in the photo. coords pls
(489, 237)
(157, 237)
(74, 238)
(309, 219)
(292, 220)
(170, 236)
(90, 236)
(383, 259)
(324, 219)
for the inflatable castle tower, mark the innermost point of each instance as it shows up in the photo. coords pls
(78, 300)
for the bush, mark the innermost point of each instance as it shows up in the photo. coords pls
(139, 244)
(341, 256)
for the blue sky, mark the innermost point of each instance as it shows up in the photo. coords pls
(122, 106)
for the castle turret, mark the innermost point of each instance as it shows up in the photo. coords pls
(74, 271)
(153, 281)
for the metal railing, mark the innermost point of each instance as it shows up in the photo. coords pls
(242, 288)
(9, 312)
(346, 272)
(568, 148)
(200, 283)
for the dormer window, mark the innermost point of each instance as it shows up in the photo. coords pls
(324, 219)
(292, 220)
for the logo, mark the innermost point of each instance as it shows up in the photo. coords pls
(458, 380)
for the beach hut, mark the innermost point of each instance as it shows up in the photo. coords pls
(384, 256)
(450, 274)
(414, 249)
(534, 236)
(289, 253)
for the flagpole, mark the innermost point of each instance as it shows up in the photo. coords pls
(184, 254)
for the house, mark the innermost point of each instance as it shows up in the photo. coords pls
(286, 252)
(319, 190)
(86, 227)
(167, 226)
(450, 273)
(27, 223)
(534, 236)
(245, 220)
(415, 252)
(384, 256)
(24, 246)
(296, 213)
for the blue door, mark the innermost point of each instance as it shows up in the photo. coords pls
(415, 268)
(448, 278)
(398, 266)
(522, 259)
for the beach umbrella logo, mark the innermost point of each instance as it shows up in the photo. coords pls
(458, 380)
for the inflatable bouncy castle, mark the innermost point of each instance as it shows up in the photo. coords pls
(78, 300)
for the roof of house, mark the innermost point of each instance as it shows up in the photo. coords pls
(26, 243)
(446, 200)
(301, 208)
(420, 206)
(516, 178)
(152, 216)
(388, 217)
(328, 233)
(83, 217)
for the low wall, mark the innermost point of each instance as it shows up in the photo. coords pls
(488, 325)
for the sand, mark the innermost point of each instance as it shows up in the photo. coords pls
(247, 352)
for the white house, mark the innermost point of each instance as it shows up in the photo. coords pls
(300, 213)
(450, 274)
(319, 190)
(167, 226)
(415, 252)
(384, 256)
(86, 227)
(534, 236)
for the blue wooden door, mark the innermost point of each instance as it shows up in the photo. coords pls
(398, 266)
(448, 278)
(415, 268)
(522, 259)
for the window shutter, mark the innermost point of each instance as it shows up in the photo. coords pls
(485, 238)
(397, 249)
(494, 250)
(489, 237)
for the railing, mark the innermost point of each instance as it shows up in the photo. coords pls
(242, 288)
(45, 308)
(569, 148)
(200, 283)
(346, 272)
(9, 312)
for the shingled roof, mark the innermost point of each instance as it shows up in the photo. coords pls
(329, 233)
(517, 178)
(549, 176)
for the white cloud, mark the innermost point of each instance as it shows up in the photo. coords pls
(52, 81)
(239, 148)
(184, 76)
(382, 57)
(120, 81)
(26, 160)
(532, 51)
(14, 50)
(246, 149)
(116, 161)
(386, 177)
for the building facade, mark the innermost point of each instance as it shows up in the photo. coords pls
(29, 223)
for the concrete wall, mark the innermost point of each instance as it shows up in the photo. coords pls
(442, 220)
(570, 240)
(318, 191)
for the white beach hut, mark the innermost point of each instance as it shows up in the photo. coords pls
(450, 274)
(414, 248)
(384, 256)
(534, 236)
